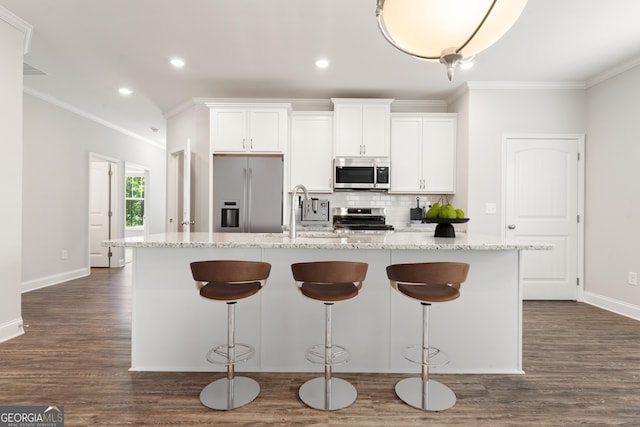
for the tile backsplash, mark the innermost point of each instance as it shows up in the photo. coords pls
(396, 205)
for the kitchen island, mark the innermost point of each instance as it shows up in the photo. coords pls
(173, 327)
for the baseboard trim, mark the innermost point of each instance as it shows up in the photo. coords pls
(616, 306)
(43, 282)
(12, 329)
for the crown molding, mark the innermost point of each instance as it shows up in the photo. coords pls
(309, 104)
(20, 24)
(611, 73)
(89, 116)
(526, 85)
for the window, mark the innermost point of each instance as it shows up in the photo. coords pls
(134, 199)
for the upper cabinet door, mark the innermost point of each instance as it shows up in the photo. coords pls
(406, 152)
(249, 128)
(423, 153)
(267, 130)
(310, 162)
(375, 130)
(348, 130)
(228, 130)
(439, 155)
(361, 127)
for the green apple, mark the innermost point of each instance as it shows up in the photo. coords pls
(434, 211)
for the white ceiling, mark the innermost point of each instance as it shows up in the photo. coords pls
(267, 49)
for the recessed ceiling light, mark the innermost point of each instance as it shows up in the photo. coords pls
(322, 63)
(177, 62)
(125, 91)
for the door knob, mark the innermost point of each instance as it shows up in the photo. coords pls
(511, 226)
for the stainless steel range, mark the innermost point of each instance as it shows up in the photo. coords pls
(360, 219)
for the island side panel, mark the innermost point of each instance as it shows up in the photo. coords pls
(173, 327)
(480, 331)
(292, 322)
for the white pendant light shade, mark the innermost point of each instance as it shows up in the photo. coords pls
(433, 29)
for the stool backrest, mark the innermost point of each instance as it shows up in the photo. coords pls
(428, 273)
(230, 271)
(330, 271)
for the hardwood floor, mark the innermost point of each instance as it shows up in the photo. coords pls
(582, 368)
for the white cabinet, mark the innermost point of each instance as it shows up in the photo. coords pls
(423, 153)
(259, 128)
(361, 127)
(310, 155)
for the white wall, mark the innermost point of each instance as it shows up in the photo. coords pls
(612, 201)
(57, 145)
(12, 46)
(496, 112)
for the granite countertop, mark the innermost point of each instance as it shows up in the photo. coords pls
(326, 240)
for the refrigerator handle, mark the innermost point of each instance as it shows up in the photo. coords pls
(249, 198)
(244, 200)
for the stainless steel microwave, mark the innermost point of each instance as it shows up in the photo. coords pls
(361, 173)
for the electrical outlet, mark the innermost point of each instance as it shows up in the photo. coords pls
(633, 278)
(64, 254)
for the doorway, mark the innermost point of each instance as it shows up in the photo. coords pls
(544, 202)
(103, 210)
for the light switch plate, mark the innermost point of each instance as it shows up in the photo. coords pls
(490, 208)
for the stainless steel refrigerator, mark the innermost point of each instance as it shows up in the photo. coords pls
(247, 194)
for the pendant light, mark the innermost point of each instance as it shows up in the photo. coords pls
(446, 30)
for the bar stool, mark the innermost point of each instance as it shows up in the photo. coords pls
(428, 283)
(329, 282)
(230, 281)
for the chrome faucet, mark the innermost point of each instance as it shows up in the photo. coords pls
(292, 220)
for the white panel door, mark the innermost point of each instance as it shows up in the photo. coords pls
(541, 191)
(101, 182)
(180, 203)
(186, 222)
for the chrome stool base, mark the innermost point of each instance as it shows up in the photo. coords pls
(427, 395)
(225, 394)
(328, 395)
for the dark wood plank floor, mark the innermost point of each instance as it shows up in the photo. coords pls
(582, 368)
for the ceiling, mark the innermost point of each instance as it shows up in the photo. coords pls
(87, 49)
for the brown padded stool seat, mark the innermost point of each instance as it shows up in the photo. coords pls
(230, 281)
(224, 291)
(329, 282)
(427, 282)
(330, 293)
(431, 293)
